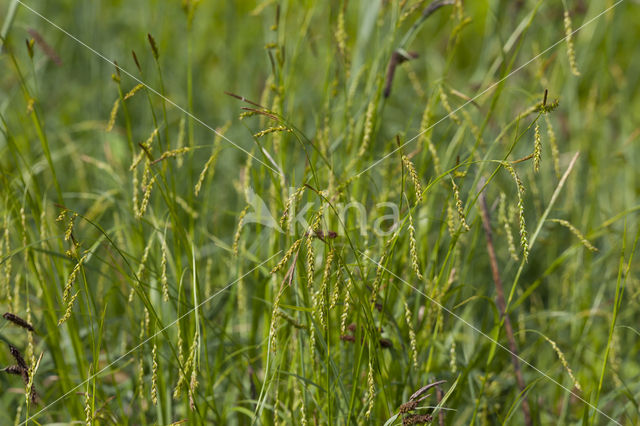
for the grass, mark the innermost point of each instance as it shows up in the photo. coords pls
(398, 213)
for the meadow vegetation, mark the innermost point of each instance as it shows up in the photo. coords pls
(174, 242)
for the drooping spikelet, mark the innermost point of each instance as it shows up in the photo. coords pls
(414, 177)
(140, 380)
(164, 282)
(271, 130)
(411, 9)
(67, 313)
(135, 199)
(30, 393)
(459, 208)
(72, 279)
(524, 239)
(154, 374)
(287, 256)
(142, 266)
(416, 82)
(303, 410)
(193, 385)
(368, 128)
(341, 33)
(537, 148)
(215, 153)
(274, 317)
(178, 389)
(182, 377)
(577, 233)
(564, 362)
(459, 10)
(444, 99)
(172, 153)
(345, 310)
(112, 116)
(291, 320)
(371, 389)
(568, 31)
(69, 231)
(236, 237)
(377, 282)
(413, 345)
(88, 411)
(453, 363)
(310, 260)
(335, 295)
(451, 225)
(413, 251)
(502, 219)
(145, 149)
(324, 289)
(145, 198)
(133, 91)
(193, 381)
(287, 215)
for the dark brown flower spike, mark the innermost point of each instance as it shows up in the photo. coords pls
(34, 395)
(44, 46)
(18, 371)
(154, 46)
(386, 343)
(416, 419)
(135, 59)
(14, 369)
(397, 57)
(411, 405)
(320, 234)
(18, 356)
(347, 338)
(17, 321)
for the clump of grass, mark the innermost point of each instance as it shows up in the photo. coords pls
(322, 339)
